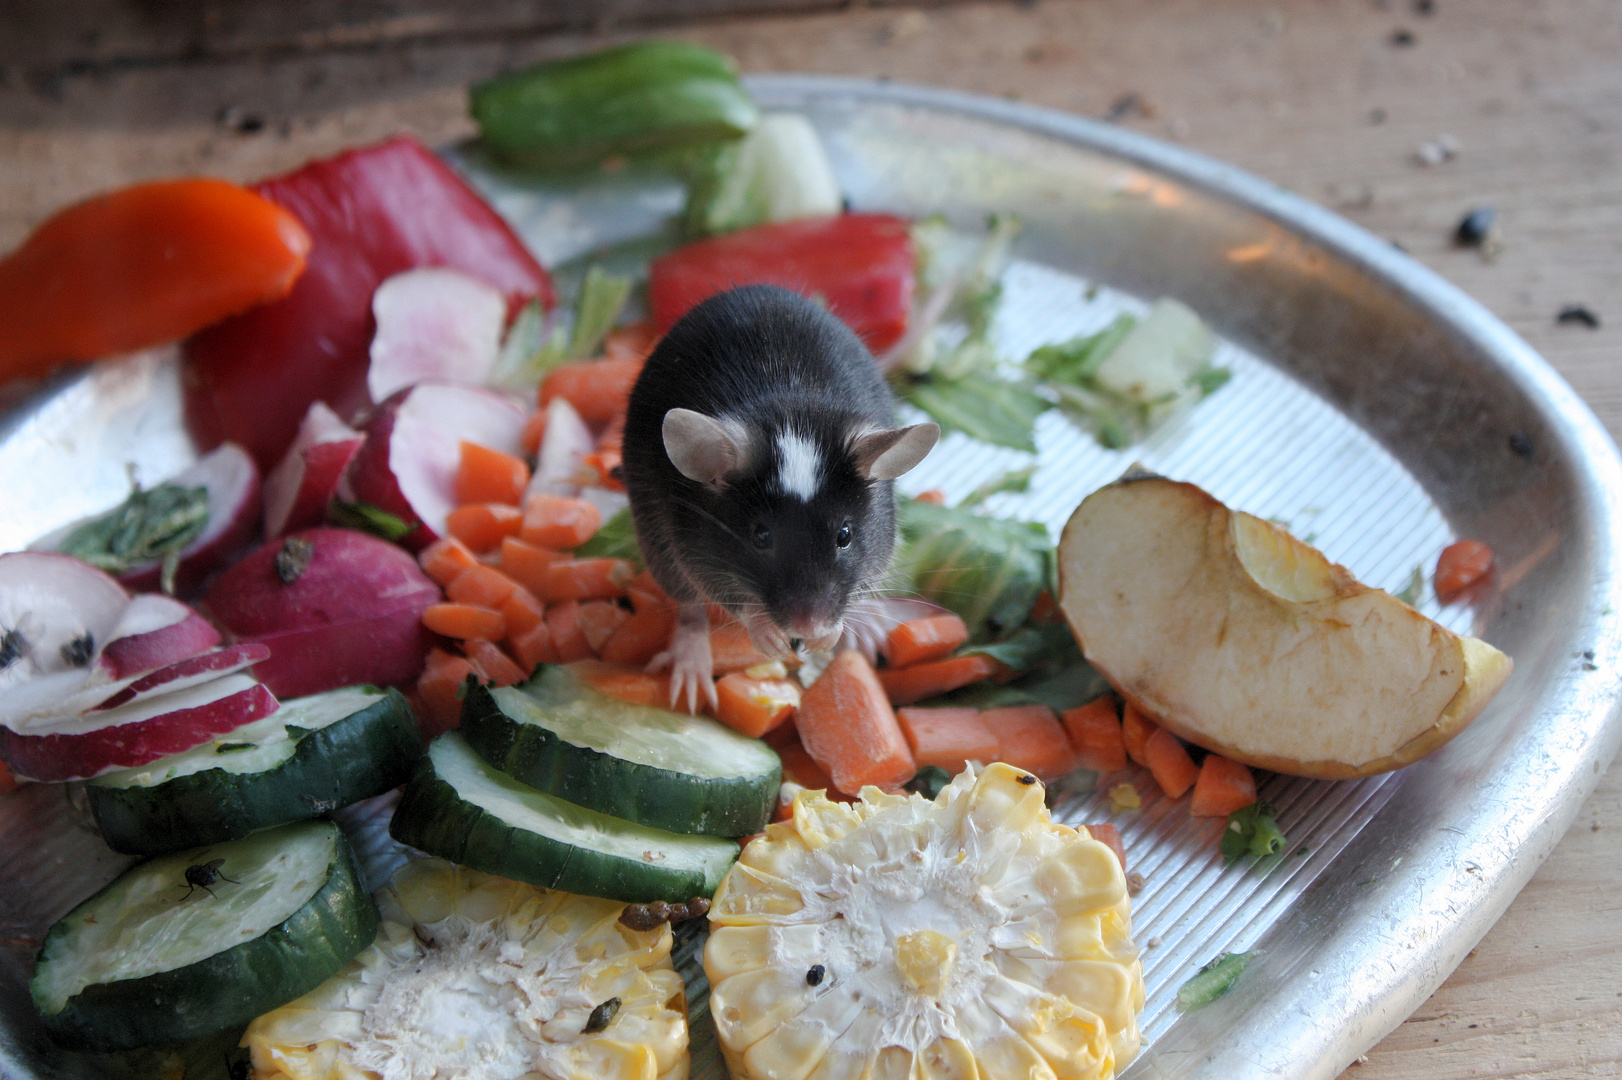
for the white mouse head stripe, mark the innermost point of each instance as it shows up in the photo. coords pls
(799, 467)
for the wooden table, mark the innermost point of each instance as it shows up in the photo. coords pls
(1334, 100)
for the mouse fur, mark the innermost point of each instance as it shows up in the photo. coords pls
(759, 453)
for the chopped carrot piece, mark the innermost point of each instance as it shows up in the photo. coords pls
(923, 639)
(783, 734)
(645, 590)
(587, 579)
(909, 684)
(482, 526)
(556, 521)
(643, 636)
(489, 476)
(445, 558)
(482, 585)
(1110, 837)
(522, 612)
(934, 496)
(526, 564)
(440, 689)
(624, 682)
(563, 620)
(754, 706)
(598, 621)
(1223, 787)
(534, 431)
(1045, 610)
(465, 621)
(1030, 737)
(493, 664)
(731, 649)
(632, 342)
(1095, 732)
(533, 647)
(848, 727)
(799, 767)
(604, 462)
(596, 388)
(1135, 731)
(1460, 566)
(1173, 769)
(948, 738)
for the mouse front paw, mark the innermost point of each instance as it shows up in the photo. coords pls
(688, 659)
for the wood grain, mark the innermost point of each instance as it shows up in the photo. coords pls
(1331, 99)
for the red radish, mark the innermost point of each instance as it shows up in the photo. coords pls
(142, 732)
(298, 489)
(350, 613)
(184, 674)
(55, 613)
(413, 448)
(153, 631)
(232, 480)
(434, 323)
(40, 706)
(564, 448)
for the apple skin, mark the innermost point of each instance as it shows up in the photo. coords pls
(1234, 635)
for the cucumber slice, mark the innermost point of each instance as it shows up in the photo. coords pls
(461, 808)
(151, 959)
(665, 769)
(313, 755)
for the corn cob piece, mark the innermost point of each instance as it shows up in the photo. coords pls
(897, 937)
(482, 978)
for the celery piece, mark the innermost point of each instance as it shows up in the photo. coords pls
(1213, 980)
(778, 172)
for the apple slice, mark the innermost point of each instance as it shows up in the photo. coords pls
(298, 489)
(407, 466)
(1238, 637)
(336, 607)
(138, 733)
(154, 630)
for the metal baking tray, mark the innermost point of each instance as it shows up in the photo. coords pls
(1374, 408)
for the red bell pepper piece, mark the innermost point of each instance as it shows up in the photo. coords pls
(371, 213)
(860, 265)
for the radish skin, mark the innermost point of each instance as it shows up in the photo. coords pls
(154, 631)
(353, 615)
(298, 489)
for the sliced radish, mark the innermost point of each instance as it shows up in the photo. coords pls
(298, 489)
(45, 703)
(232, 480)
(141, 732)
(55, 615)
(351, 614)
(413, 448)
(564, 448)
(154, 630)
(434, 323)
(183, 674)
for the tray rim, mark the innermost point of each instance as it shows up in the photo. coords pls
(1284, 1030)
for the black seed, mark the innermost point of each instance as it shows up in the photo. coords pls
(601, 1017)
(1576, 313)
(12, 647)
(814, 976)
(293, 559)
(1027, 779)
(1520, 444)
(1424, 7)
(1476, 226)
(77, 653)
(1402, 38)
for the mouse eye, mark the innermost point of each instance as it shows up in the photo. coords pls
(842, 537)
(763, 537)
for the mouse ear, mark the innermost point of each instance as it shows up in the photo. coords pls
(885, 455)
(703, 448)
